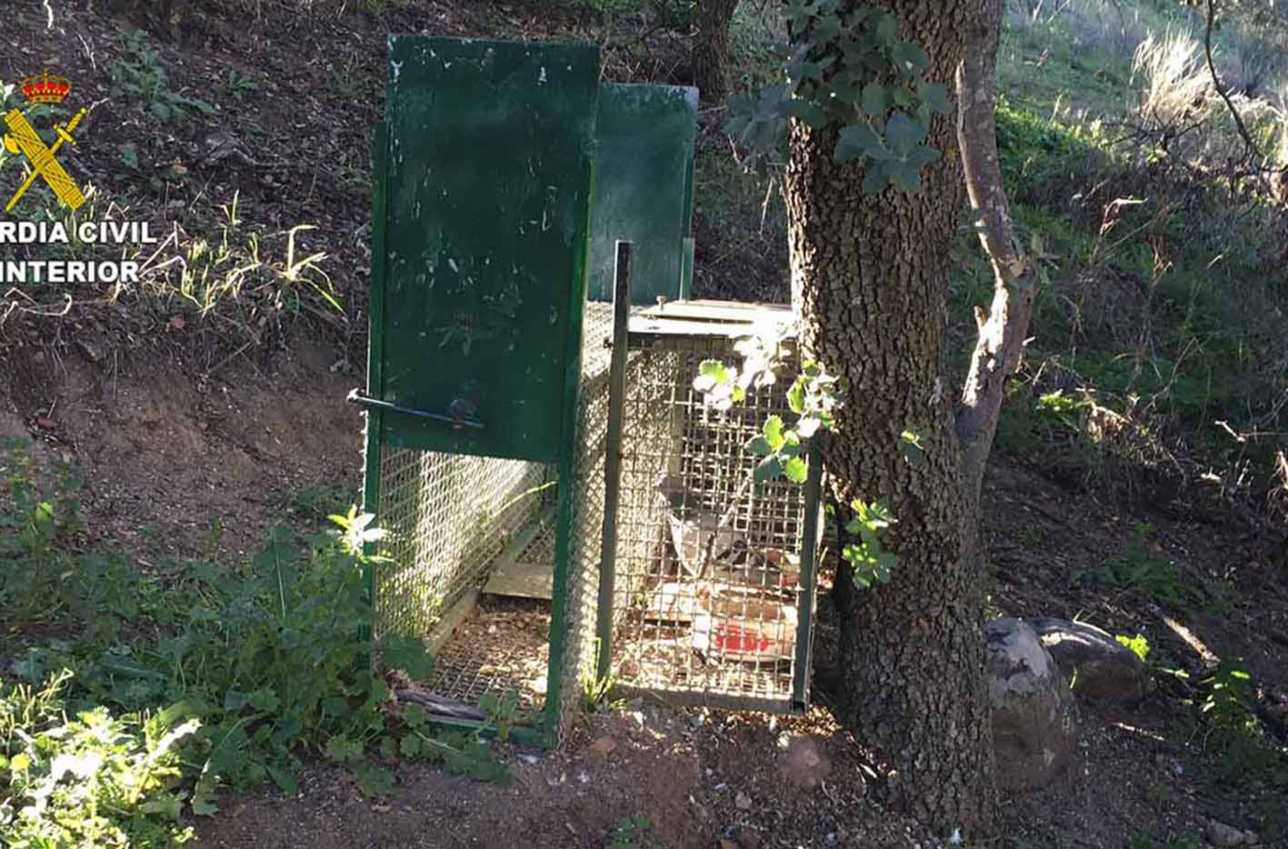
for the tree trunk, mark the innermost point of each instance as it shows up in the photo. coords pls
(710, 57)
(1003, 327)
(870, 281)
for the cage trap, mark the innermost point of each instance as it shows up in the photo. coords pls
(559, 503)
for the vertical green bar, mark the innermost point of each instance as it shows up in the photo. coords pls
(809, 571)
(375, 352)
(567, 467)
(613, 456)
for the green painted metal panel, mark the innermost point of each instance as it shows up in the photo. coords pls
(643, 188)
(489, 165)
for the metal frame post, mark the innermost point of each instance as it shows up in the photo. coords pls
(613, 456)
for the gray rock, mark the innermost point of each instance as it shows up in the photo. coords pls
(1033, 725)
(803, 763)
(1098, 666)
(1220, 834)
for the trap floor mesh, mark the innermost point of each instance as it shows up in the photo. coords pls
(501, 647)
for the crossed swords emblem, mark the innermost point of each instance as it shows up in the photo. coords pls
(22, 138)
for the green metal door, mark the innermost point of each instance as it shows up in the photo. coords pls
(477, 294)
(644, 189)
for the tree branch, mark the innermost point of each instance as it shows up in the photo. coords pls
(1252, 149)
(1003, 327)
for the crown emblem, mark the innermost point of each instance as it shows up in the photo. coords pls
(46, 88)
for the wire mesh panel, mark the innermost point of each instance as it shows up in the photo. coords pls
(447, 517)
(709, 588)
(588, 516)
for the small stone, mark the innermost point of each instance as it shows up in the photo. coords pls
(747, 838)
(803, 763)
(1220, 834)
(603, 747)
(742, 801)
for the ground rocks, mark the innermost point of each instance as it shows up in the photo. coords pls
(1220, 834)
(1033, 727)
(603, 747)
(803, 763)
(1097, 666)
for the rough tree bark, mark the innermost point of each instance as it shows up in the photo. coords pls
(710, 57)
(870, 281)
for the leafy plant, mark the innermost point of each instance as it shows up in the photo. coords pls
(265, 664)
(596, 692)
(849, 69)
(238, 84)
(1138, 644)
(868, 558)
(632, 833)
(139, 72)
(813, 398)
(97, 780)
(1140, 571)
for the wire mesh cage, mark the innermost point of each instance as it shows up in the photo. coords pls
(447, 519)
(686, 578)
(712, 584)
(469, 559)
(544, 474)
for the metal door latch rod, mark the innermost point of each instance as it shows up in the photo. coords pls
(362, 399)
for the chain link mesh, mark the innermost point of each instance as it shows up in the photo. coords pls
(447, 517)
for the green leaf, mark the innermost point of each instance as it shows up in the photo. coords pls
(857, 142)
(759, 446)
(407, 654)
(827, 28)
(388, 747)
(935, 96)
(714, 369)
(796, 396)
(905, 177)
(415, 716)
(807, 111)
(887, 28)
(343, 749)
(409, 746)
(203, 806)
(773, 433)
(235, 700)
(876, 178)
(796, 469)
(283, 778)
(910, 58)
(768, 469)
(903, 133)
(874, 99)
(910, 446)
(922, 156)
(374, 780)
(265, 700)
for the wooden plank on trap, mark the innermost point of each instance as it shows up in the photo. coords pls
(512, 576)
